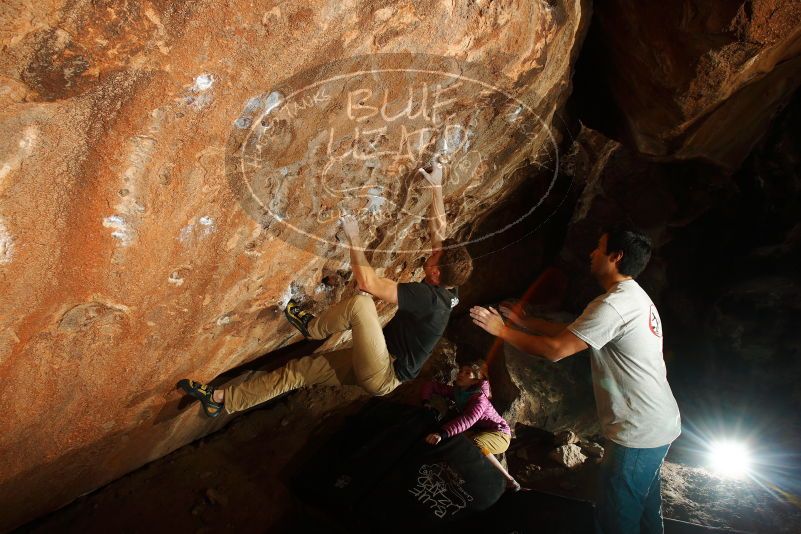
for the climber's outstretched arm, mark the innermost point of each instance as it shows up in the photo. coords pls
(437, 222)
(366, 277)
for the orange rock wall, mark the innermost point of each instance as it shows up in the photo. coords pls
(127, 259)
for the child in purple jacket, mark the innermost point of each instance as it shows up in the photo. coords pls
(471, 394)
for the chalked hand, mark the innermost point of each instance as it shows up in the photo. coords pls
(350, 227)
(433, 173)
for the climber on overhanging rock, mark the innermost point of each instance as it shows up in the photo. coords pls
(378, 361)
(638, 413)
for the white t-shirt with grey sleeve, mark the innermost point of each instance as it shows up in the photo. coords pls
(635, 404)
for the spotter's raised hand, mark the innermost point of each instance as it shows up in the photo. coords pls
(488, 319)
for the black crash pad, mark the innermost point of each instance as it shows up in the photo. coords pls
(377, 474)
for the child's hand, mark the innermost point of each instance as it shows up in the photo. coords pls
(433, 439)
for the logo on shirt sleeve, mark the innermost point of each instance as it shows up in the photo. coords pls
(654, 322)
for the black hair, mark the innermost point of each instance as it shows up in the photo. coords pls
(478, 368)
(633, 243)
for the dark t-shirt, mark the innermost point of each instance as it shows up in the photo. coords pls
(423, 312)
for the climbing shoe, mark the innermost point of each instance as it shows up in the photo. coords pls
(298, 318)
(204, 393)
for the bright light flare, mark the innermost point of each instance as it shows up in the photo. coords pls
(729, 459)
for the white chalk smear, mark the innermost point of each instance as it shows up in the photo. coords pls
(205, 227)
(514, 115)
(129, 208)
(199, 96)
(203, 82)
(375, 200)
(288, 294)
(252, 105)
(273, 101)
(453, 139)
(322, 288)
(186, 232)
(122, 231)
(208, 225)
(6, 244)
(24, 149)
(175, 279)
(243, 122)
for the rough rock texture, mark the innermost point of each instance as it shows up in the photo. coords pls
(129, 257)
(566, 437)
(569, 456)
(691, 79)
(553, 397)
(592, 449)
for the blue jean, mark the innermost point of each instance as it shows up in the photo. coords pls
(630, 499)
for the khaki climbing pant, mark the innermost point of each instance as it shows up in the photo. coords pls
(491, 442)
(367, 363)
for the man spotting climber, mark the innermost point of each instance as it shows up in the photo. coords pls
(638, 413)
(378, 361)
